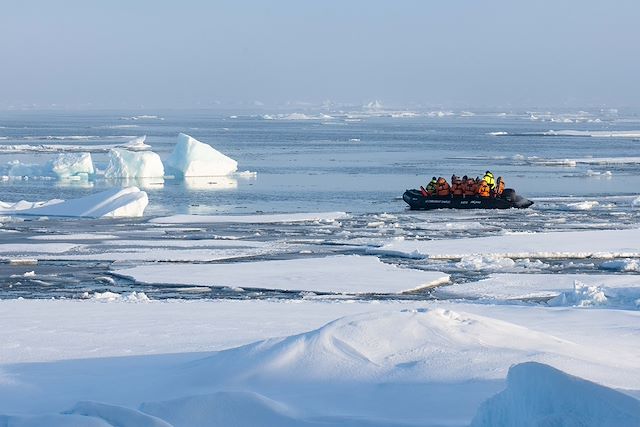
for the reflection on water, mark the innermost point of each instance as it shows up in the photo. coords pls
(143, 183)
(210, 183)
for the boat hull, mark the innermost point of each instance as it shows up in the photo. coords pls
(417, 201)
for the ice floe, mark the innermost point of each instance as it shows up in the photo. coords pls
(582, 290)
(621, 265)
(125, 202)
(336, 274)
(252, 219)
(575, 133)
(540, 395)
(73, 164)
(571, 244)
(191, 157)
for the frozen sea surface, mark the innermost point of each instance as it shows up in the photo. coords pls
(582, 176)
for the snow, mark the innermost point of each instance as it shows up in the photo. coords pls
(113, 297)
(251, 219)
(584, 205)
(191, 157)
(124, 163)
(383, 363)
(125, 202)
(337, 274)
(573, 244)
(539, 395)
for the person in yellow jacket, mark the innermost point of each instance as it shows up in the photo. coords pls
(489, 179)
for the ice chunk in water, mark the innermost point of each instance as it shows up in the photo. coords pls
(134, 164)
(191, 157)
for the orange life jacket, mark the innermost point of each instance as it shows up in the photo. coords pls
(500, 186)
(442, 187)
(483, 189)
(457, 188)
(470, 187)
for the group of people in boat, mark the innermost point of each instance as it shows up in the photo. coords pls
(488, 186)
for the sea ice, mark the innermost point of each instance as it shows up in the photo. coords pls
(251, 219)
(124, 163)
(117, 202)
(191, 157)
(337, 274)
(572, 244)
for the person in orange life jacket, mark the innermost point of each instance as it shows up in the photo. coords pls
(442, 187)
(470, 187)
(499, 187)
(483, 189)
(457, 189)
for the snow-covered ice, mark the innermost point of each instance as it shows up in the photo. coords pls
(117, 202)
(191, 157)
(571, 244)
(539, 395)
(619, 291)
(252, 219)
(352, 274)
(386, 363)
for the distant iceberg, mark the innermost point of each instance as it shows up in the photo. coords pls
(191, 157)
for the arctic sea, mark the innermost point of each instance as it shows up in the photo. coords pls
(580, 168)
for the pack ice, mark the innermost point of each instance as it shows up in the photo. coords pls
(191, 157)
(116, 202)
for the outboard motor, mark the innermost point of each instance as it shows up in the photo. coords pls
(509, 194)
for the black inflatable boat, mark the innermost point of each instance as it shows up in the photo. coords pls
(508, 199)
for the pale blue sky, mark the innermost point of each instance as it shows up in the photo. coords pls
(185, 54)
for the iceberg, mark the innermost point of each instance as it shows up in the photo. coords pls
(191, 157)
(124, 163)
(114, 203)
(68, 165)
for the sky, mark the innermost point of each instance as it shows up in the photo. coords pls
(199, 54)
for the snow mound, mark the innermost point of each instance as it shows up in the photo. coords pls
(72, 164)
(125, 202)
(539, 395)
(407, 345)
(124, 163)
(230, 408)
(57, 420)
(117, 415)
(191, 157)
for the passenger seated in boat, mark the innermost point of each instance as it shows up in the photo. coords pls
(457, 189)
(442, 187)
(499, 187)
(470, 187)
(489, 179)
(431, 186)
(483, 189)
